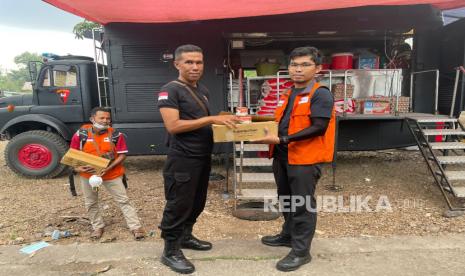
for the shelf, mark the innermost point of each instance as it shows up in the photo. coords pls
(253, 147)
(254, 162)
(258, 194)
(334, 73)
(266, 78)
(256, 177)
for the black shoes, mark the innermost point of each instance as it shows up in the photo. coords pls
(292, 261)
(175, 259)
(277, 240)
(191, 242)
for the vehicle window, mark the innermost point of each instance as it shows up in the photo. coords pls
(65, 78)
(46, 81)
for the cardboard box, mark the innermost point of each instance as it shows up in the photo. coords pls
(376, 107)
(77, 158)
(338, 90)
(243, 132)
(367, 62)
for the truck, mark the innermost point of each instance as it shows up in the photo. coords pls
(138, 62)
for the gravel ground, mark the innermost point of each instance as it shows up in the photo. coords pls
(29, 208)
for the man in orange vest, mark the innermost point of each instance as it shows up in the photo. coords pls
(306, 134)
(100, 139)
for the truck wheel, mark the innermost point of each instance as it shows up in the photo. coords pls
(36, 154)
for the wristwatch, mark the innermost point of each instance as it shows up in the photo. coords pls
(284, 140)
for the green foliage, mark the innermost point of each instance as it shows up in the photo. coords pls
(14, 80)
(7, 84)
(85, 26)
(23, 59)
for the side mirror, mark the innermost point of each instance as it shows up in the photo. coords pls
(32, 66)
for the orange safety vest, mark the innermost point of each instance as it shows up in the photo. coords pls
(310, 151)
(101, 144)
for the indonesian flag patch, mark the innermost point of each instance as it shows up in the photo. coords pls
(163, 96)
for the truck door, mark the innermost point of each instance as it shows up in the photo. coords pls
(59, 94)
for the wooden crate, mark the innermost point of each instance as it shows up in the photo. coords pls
(77, 158)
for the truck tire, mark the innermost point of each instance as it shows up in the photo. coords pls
(36, 154)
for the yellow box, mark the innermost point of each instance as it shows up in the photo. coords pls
(243, 132)
(77, 158)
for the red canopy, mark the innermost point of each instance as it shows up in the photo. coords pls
(159, 11)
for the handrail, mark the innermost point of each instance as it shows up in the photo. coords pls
(277, 82)
(99, 55)
(330, 76)
(96, 66)
(231, 98)
(454, 95)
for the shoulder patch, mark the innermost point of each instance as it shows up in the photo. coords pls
(163, 95)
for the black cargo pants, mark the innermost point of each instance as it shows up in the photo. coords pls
(186, 185)
(299, 221)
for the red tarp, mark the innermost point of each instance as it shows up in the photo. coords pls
(158, 11)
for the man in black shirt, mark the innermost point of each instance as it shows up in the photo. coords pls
(183, 104)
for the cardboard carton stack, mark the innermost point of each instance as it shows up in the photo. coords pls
(338, 91)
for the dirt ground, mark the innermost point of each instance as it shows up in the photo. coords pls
(30, 209)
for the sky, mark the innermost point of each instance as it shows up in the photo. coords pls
(35, 26)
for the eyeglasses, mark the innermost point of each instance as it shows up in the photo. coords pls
(303, 65)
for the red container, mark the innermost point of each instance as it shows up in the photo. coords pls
(265, 113)
(325, 66)
(270, 98)
(342, 61)
(270, 104)
(267, 108)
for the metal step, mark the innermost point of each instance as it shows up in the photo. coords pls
(260, 194)
(455, 175)
(451, 159)
(435, 120)
(447, 145)
(429, 132)
(459, 191)
(254, 162)
(252, 147)
(256, 177)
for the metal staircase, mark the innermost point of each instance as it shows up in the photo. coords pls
(441, 140)
(246, 163)
(445, 157)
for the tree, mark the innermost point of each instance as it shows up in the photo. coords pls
(23, 59)
(14, 79)
(81, 28)
(7, 84)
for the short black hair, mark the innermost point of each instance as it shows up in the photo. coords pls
(187, 48)
(94, 110)
(309, 51)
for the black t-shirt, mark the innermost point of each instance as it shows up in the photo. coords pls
(321, 105)
(198, 142)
